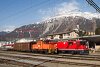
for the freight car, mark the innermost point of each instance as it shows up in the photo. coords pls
(73, 47)
(23, 46)
(44, 46)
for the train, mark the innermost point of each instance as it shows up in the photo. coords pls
(53, 47)
(8, 46)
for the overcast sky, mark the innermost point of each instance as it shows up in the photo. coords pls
(16, 13)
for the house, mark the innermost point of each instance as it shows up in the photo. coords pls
(90, 33)
(50, 36)
(63, 35)
(73, 34)
(66, 35)
(56, 36)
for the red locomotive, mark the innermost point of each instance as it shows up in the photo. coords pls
(73, 47)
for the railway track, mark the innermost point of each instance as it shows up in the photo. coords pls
(30, 53)
(65, 56)
(14, 63)
(43, 60)
(68, 56)
(48, 59)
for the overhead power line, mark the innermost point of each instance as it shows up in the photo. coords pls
(26, 9)
(94, 5)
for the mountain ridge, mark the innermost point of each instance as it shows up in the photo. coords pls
(58, 24)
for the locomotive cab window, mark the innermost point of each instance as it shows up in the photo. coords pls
(70, 43)
(47, 41)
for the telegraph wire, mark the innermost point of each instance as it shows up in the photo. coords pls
(94, 5)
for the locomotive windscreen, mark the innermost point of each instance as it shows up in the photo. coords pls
(70, 43)
(83, 42)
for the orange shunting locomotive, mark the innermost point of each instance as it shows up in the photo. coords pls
(44, 46)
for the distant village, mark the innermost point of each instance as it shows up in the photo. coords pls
(63, 35)
(70, 34)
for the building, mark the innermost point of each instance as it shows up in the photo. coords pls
(71, 34)
(50, 36)
(65, 36)
(90, 33)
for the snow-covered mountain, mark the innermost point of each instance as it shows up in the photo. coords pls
(87, 15)
(58, 24)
